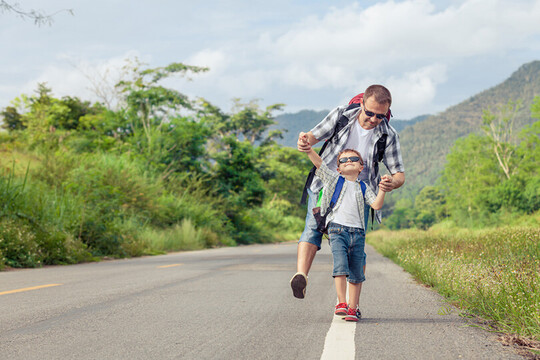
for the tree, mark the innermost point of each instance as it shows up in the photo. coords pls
(12, 120)
(469, 173)
(498, 127)
(38, 17)
(247, 122)
(431, 206)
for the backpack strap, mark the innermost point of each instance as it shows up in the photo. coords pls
(341, 123)
(363, 187)
(380, 146)
(335, 196)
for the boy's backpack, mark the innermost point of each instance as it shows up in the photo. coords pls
(321, 219)
(342, 122)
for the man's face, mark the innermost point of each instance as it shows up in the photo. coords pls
(371, 106)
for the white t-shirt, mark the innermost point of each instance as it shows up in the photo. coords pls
(347, 213)
(359, 140)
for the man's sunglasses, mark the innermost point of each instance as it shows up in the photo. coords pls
(343, 160)
(372, 114)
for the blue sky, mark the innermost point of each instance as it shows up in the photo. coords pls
(305, 54)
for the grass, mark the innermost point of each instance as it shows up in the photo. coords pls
(491, 274)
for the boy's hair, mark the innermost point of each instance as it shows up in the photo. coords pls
(382, 95)
(350, 150)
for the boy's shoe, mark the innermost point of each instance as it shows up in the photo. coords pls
(341, 309)
(353, 315)
(298, 285)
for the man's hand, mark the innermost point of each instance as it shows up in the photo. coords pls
(391, 182)
(303, 143)
(386, 183)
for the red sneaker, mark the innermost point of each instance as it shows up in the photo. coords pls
(353, 315)
(341, 309)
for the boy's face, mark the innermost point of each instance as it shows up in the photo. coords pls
(349, 167)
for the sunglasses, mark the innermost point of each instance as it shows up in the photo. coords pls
(372, 114)
(343, 160)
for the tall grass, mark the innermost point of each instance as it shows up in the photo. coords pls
(491, 273)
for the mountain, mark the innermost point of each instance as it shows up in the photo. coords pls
(305, 120)
(425, 145)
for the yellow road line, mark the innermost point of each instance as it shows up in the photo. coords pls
(168, 266)
(28, 289)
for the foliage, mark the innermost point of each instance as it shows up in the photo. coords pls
(489, 273)
(488, 179)
(159, 173)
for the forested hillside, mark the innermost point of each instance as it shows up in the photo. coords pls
(425, 145)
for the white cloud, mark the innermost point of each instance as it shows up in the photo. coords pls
(417, 89)
(216, 60)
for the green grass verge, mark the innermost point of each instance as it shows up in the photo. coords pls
(492, 274)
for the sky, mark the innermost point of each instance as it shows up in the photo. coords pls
(306, 54)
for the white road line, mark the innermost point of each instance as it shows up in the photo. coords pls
(339, 343)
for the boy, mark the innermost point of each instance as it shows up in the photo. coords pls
(346, 225)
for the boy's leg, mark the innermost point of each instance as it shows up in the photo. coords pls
(308, 245)
(357, 261)
(354, 294)
(341, 288)
(367, 218)
(339, 246)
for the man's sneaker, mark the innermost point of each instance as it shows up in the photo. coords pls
(298, 285)
(353, 315)
(341, 309)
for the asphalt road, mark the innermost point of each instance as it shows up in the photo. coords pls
(229, 303)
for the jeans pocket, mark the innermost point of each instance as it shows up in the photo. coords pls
(334, 230)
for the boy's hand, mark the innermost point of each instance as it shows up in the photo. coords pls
(386, 184)
(303, 143)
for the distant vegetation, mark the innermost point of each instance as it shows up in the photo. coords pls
(154, 172)
(148, 170)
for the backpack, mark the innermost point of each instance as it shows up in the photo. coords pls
(321, 219)
(341, 123)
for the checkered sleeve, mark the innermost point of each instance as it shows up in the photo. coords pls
(325, 128)
(326, 175)
(392, 154)
(370, 196)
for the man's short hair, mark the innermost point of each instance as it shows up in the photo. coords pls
(350, 150)
(382, 95)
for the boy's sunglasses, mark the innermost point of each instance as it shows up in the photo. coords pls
(343, 160)
(372, 114)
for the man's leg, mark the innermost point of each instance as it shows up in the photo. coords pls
(305, 254)
(308, 245)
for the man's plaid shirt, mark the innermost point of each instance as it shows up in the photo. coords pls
(392, 155)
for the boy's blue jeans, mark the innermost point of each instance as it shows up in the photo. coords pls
(348, 245)
(310, 233)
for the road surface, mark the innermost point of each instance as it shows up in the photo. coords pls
(228, 303)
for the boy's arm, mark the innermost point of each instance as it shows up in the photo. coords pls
(315, 158)
(379, 200)
(304, 145)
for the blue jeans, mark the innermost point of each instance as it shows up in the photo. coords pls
(348, 245)
(310, 233)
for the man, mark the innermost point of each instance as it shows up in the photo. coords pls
(365, 127)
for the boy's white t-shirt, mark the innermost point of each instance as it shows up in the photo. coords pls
(347, 213)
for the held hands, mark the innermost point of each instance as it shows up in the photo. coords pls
(386, 183)
(303, 143)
